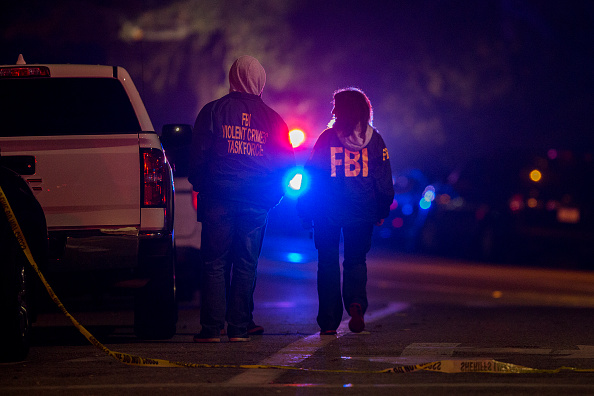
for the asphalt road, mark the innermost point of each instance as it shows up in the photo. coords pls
(464, 317)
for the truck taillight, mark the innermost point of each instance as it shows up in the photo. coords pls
(24, 71)
(195, 200)
(155, 178)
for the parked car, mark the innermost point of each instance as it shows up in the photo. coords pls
(82, 140)
(17, 280)
(515, 206)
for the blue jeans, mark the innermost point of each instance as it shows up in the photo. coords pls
(232, 235)
(357, 243)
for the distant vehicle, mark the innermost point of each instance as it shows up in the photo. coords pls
(412, 199)
(176, 139)
(81, 138)
(515, 206)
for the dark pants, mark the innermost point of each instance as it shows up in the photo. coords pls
(357, 242)
(228, 280)
(231, 238)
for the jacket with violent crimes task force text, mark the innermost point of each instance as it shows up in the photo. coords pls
(240, 151)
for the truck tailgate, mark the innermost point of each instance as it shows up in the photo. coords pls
(83, 181)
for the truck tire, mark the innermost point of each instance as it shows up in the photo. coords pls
(155, 305)
(14, 311)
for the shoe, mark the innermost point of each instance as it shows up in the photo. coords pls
(328, 332)
(204, 338)
(240, 338)
(356, 324)
(254, 329)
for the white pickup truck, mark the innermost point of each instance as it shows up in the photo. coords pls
(82, 139)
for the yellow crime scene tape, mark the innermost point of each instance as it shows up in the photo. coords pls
(444, 366)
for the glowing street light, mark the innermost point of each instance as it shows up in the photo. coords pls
(535, 175)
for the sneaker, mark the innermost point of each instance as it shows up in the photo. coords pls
(239, 338)
(356, 324)
(204, 338)
(328, 332)
(254, 329)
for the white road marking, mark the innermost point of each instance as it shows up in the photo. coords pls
(448, 349)
(430, 349)
(418, 353)
(584, 352)
(296, 352)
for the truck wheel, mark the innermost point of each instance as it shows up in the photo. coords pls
(155, 305)
(16, 321)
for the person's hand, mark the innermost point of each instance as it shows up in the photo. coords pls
(379, 222)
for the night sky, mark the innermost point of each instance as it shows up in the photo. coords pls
(449, 80)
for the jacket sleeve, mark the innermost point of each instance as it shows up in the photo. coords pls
(285, 158)
(383, 184)
(202, 140)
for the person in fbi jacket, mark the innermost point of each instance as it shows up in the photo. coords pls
(351, 190)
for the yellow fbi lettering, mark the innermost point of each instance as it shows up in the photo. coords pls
(350, 160)
(246, 119)
(244, 139)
